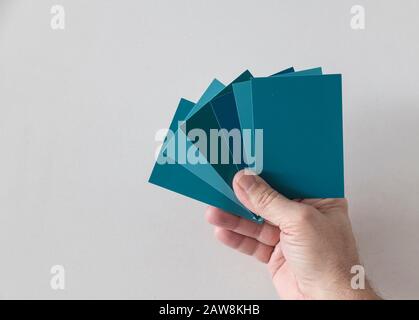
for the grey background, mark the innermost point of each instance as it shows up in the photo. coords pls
(79, 109)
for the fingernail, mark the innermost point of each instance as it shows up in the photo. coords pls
(246, 181)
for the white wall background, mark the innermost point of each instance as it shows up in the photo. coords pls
(78, 113)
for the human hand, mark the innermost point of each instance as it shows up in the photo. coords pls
(308, 245)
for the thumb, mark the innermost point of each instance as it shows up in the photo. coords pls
(259, 197)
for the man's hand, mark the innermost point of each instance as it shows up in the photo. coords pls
(308, 245)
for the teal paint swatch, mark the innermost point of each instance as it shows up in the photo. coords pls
(303, 136)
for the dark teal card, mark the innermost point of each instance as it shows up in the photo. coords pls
(301, 118)
(206, 120)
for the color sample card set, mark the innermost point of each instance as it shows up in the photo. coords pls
(287, 128)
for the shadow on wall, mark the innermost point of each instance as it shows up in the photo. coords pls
(383, 155)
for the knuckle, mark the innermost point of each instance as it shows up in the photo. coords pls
(257, 231)
(305, 215)
(265, 198)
